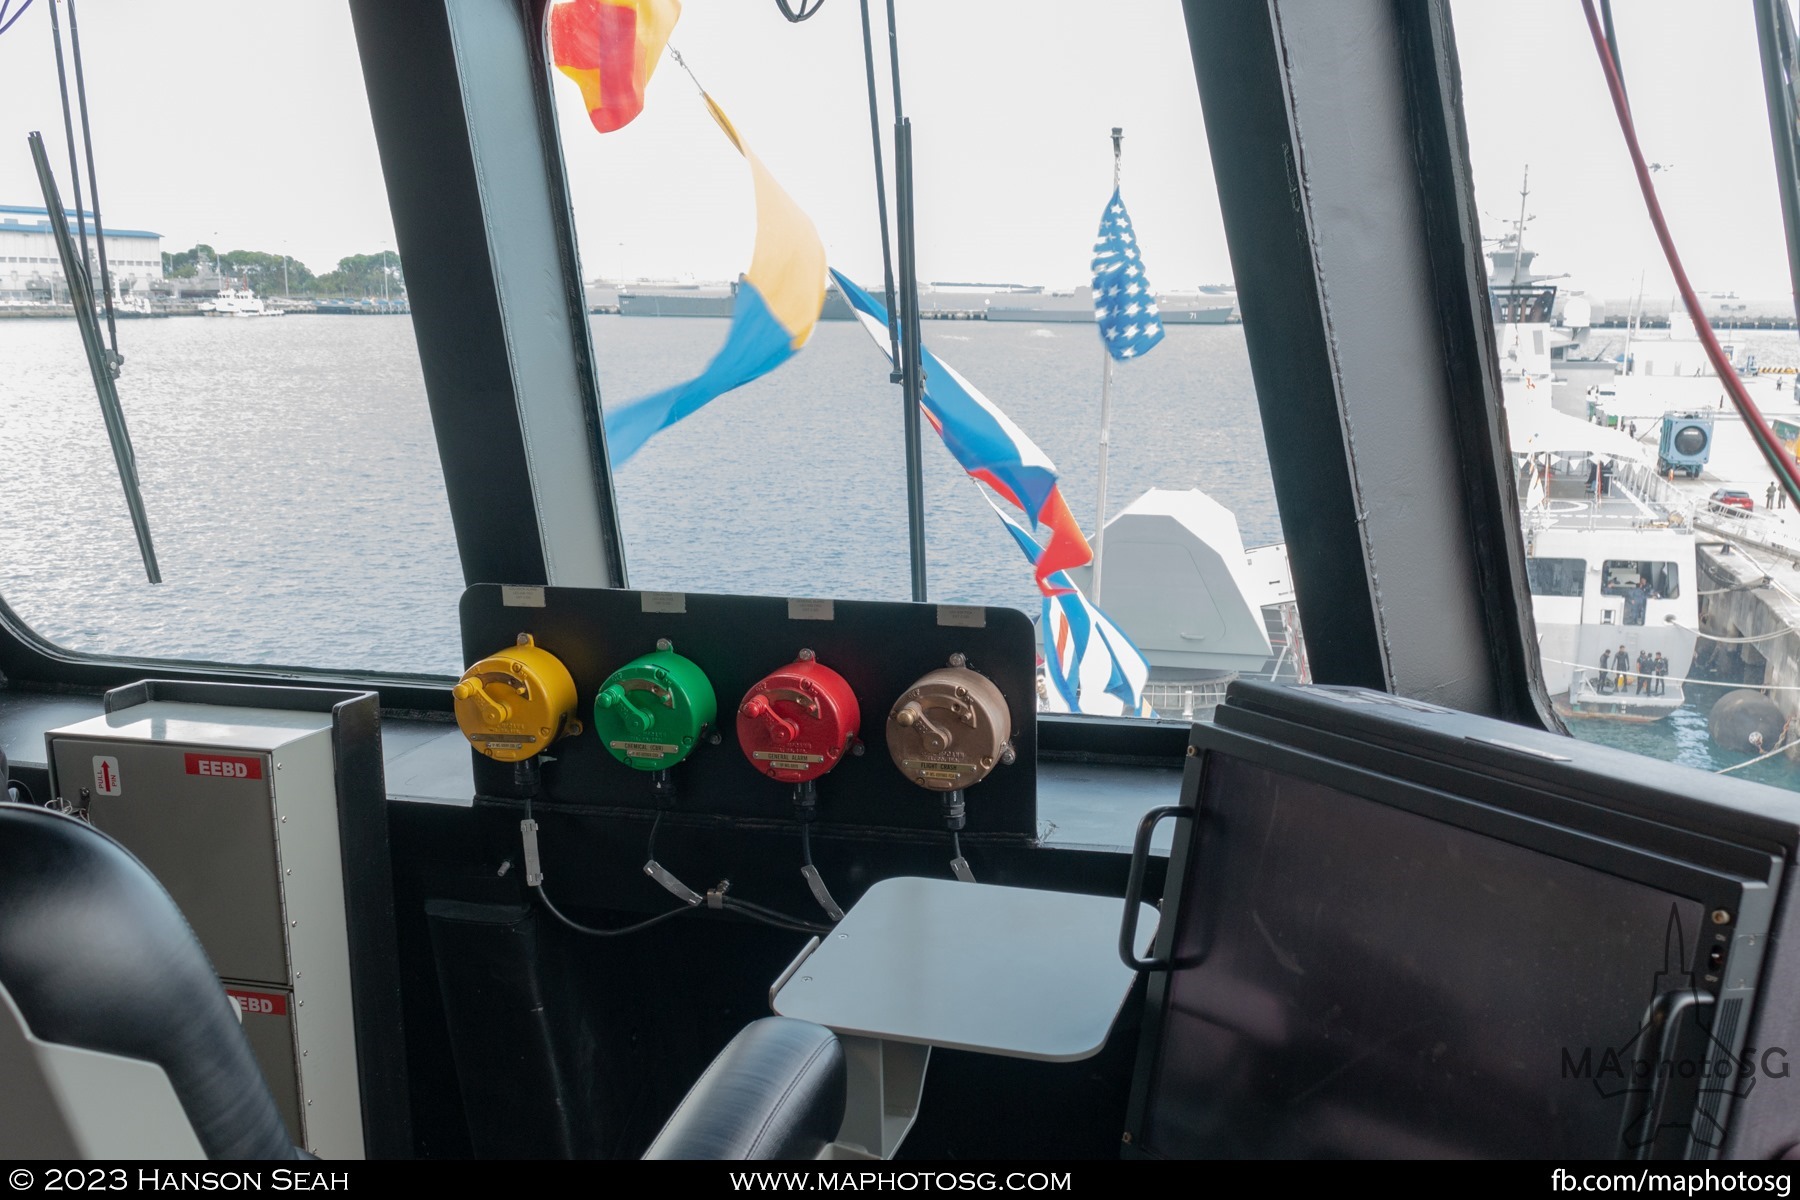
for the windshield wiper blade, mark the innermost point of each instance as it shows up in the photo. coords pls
(81, 295)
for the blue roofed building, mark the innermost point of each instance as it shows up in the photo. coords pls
(31, 271)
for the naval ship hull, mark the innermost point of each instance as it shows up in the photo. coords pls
(701, 304)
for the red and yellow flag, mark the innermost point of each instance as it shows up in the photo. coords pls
(610, 49)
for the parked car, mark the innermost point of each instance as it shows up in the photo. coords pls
(1728, 498)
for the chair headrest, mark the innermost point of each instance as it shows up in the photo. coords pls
(97, 956)
(775, 1091)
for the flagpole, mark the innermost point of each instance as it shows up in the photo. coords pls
(913, 385)
(1118, 137)
(1105, 438)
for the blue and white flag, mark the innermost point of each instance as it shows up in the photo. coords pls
(990, 447)
(1124, 307)
(1090, 666)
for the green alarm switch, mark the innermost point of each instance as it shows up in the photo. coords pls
(653, 711)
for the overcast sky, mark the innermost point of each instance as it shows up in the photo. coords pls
(244, 123)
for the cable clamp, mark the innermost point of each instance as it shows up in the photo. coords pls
(534, 867)
(821, 893)
(715, 897)
(672, 885)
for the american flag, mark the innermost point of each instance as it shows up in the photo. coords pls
(1124, 307)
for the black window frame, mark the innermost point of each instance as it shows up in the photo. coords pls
(1267, 75)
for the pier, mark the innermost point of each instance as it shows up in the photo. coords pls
(1750, 604)
(193, 308)
(1750, 598)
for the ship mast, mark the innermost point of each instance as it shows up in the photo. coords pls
(1519, 233)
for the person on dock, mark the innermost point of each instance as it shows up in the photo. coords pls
(1770, 502)
(1606, 679)
(1661, 670)
(1619, 665)
(1644, 663)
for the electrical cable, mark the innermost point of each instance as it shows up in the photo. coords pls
(746, 908)
(1787, 473)
(87, 142)
(62, 85)
(887, 256)
(769, 916)
(1612, 40)
(6, 22)
(805, 809)
(716, 899)
(592, 931)
(801, 12)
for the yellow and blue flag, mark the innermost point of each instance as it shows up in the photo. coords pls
(778, 302)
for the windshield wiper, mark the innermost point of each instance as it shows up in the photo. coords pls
(81, 295)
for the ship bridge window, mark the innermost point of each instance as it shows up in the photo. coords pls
(1569, 218)
(1651, 580)
(1014, 175)
(288, 466)
(1556, 576)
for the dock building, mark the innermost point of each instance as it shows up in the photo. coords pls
(31, 271)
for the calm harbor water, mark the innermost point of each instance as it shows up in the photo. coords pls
(294, 491)
(293, 485)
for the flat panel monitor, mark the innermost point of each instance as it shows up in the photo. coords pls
(1363, 964)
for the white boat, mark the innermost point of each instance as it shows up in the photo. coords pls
(1612, 573)
(1591, 534)
(1590, 608)
(239, 302)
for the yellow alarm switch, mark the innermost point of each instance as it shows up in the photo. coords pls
(512, 705)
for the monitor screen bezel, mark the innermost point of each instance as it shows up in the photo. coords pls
(1390, 777)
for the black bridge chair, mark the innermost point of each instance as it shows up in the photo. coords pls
(775, 1092)
(116, 1038)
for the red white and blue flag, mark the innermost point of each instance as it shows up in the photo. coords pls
(989, 447)
(1090, 666)
(1124, 308)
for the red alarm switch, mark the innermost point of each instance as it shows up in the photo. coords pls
(798, 721)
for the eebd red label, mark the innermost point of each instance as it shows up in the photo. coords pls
(263, 1004)
(224, 766)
